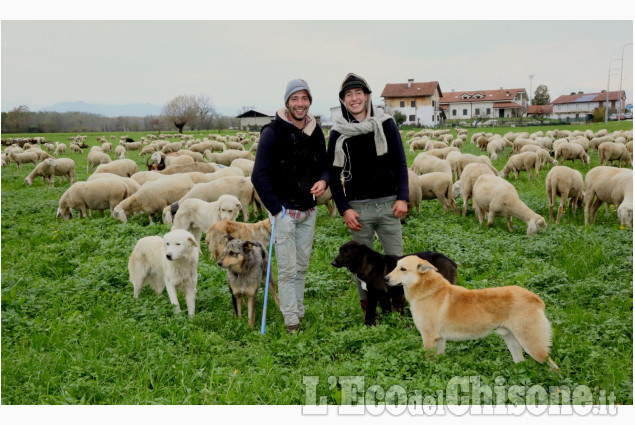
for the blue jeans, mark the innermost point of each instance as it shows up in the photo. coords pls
(294, 241)
(376, 216)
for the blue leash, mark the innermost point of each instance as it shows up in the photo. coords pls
(264, 306)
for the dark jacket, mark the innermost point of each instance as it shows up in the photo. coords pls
(289, 161)
(368, 176)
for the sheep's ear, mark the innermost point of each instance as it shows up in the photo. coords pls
(425, 267)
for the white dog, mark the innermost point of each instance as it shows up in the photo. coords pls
(169, 262)
(195, 215)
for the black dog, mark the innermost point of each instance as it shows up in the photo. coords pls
(371, 267)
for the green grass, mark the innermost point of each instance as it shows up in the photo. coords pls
(72, 332)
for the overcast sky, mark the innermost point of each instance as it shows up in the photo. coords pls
(248, 63)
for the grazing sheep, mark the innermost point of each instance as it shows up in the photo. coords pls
(60, 148)
(566, 183)
(169, 262)
(417, 144)
(22, 158)
(96, 158)
(152, 197)
(197, 157)
(226, 157)
(98, 195)
(202, 167)
(611, 185)
(414, 189)
(132, 146)
(120, 151)
(423, 164)
(464, 186)
(75, 148)
(494, 195)
(462, 160)
(178, 160)
(106, 147)
(530, 148)
(241, 187)
(50, 167)
(496, 147)
(41, 155)
(196, 215)
(438, 185)
(610, 151)
(247, 165)
(571, 151)
(544, 158)
(132, 185)
(519, 162)
(172, 147)
(235, 145)
(143, 177)
(121, 167)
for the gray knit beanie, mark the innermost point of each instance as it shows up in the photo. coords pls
(294, 86)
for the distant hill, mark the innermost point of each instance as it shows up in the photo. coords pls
(129, 110)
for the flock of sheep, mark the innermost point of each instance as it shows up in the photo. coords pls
(195, 175)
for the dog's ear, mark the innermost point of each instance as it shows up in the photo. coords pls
(248, 246)
(425, 267)
(192, 240)
(229, 238)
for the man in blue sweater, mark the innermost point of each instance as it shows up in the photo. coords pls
(290, 171)
(366, 153)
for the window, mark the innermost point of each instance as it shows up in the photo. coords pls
(477, 111)
(434, 103)
(413, 103)
(454, 112)
(489, 111)
(464, 112)
(402, 103)
(411, 118)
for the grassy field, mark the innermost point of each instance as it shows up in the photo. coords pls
(73, 334)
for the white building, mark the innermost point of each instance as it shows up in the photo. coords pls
(484, 104)
(419, 102)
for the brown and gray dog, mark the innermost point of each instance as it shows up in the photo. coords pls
(246, 265)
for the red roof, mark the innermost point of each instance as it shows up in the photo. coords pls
(415, 89)
(487, 95)
(540, 109)
(588, 97)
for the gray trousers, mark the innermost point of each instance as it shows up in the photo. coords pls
(377, 217)
(294, 241)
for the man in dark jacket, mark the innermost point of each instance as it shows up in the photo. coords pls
(290, 171)
(366, 153)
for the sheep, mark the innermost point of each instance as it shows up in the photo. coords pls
(597, 141)
(494, 195)
(196, 156)
(247, 165)
(143, 177)
(120, 151)
(496, 147)
(152, 197)
(147, 150)
(438, 185)
(610, 151)
(464, 186)
(106, 147)
(22, 158)
(132, 146)
(60, 148)
(568, 184)
(172, 147)
(442, 153)
(96, 158)
(418, 144)
(50, 167)
(254, 147)
(423, 164)
(544, 158)
(49, 147)
(629, 147)
(196, 215)
(467, 158)
(530, 148)
(203, 167)
(132, 185)
(611, 185)
(41, 155)
(241, 187)
(98, 195)
(414, 189)
(432, 144)
(121, 167)
(178, 160)
(226, 157)
(571, 151)
(235, 145)
(521, 161)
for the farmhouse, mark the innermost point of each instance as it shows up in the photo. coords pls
(419, 102)
(479, 104)
(580, 106)
(540, 111)
(253, 118)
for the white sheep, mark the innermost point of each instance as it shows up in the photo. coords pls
(172, 147)
(23, 158)
(152, 197)
(50, 167)
(142, 177)
(60, 148)
(178, 160)
(132, 185)
(519, 162)
(611, 185)
(423, 164)
(235, 145)
(494, 195)
(566, 183)
(544, 158)
(121, 167)
(438, 185)
(202, 167)
(462, 160)
(196, 215)
(246, 165)
(241, 187)
(96, 158)
(464, 186)
(120, 151)
(496, 147)
(196, 156)
(226, 157)
(571, 151)
(414, 189)
(98, 195)
(610, 151)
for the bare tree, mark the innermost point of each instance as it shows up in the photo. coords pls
(181, 110)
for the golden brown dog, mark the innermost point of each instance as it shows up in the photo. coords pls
(442, 311)
(216, 237)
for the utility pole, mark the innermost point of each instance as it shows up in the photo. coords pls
(606, 107)
(531, 77)
(619, 115)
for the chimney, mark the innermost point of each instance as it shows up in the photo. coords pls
(410, 81)
(580, 92)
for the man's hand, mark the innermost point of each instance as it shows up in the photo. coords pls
(350, 219)
(318, 188)
(400, 209)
